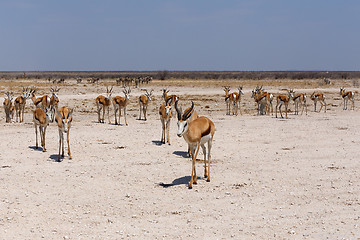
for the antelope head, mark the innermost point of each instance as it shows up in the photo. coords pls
(291, 93)
(9, 95)
(342, 90)
(168, 106)
(66, 119)
(55, 91)
(148, 94)
(109, 92)
(182, 123)
(127, 93)
(240, 90)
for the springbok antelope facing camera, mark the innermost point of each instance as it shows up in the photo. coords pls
(103, 103)
(41, 118)
(8, 107)
(261, 101)
(143, 102)
(20, 103)
(120, 103)
(196, 133)
(227, 99)
(347, 95)
(63, 119)
(165, 117)
(54, 101)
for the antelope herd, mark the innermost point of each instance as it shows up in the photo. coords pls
(196, 131)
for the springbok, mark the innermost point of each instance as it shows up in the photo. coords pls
(318, 97)
(41, 118)
(20, 103)
(103, 103)
(300, 98)
(63, 119)
(260, 99)
(8, 106)
(119, 103)
(349, 95)
(227, 99)
(269, 100)
(35, 100)
(196, 133)
(54, 101)
(166, 97)
(143, 102)
(44, 101)
(283, 99)
(165, 117)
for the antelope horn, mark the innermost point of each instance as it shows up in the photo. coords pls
(187, 114)
(177, 110)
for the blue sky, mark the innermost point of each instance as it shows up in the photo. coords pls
(228, 35)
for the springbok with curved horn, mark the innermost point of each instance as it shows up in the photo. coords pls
(283, 99)
(260, 99)
(20, 103)
(143, 102)
(8, 107)
(41, 118)
(63, 119)
(103, 103)
(318, 97)
(165, 117)
(349, 95)
(119, 103)
(227, 99)
(167, 97)
(35, 100)
(54, 101)
(196, 133)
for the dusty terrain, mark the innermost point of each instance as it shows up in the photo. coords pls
(295, 178)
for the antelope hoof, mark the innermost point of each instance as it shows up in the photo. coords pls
(208, 180)
(190, 187)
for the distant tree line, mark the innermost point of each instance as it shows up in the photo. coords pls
(163, 75)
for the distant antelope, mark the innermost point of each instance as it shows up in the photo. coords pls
(318, 97)
(20, 103)
(260, 99)
(300, 98)
(227, 99)
(143, 102)
(196, 133)
(41, 118)
(63, 119)
(283, 99)
(103, 103)
(167, 97)
(8, 106)
(349, 95)
(54, 101)
(269, 100)
(233, 98)
(165, 117)
(119, 103)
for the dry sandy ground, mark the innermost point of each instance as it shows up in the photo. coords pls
(270, 178)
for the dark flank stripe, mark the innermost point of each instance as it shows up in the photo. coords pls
(207, 132)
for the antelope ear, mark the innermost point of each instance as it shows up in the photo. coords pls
(57, 112)
(71, 112)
